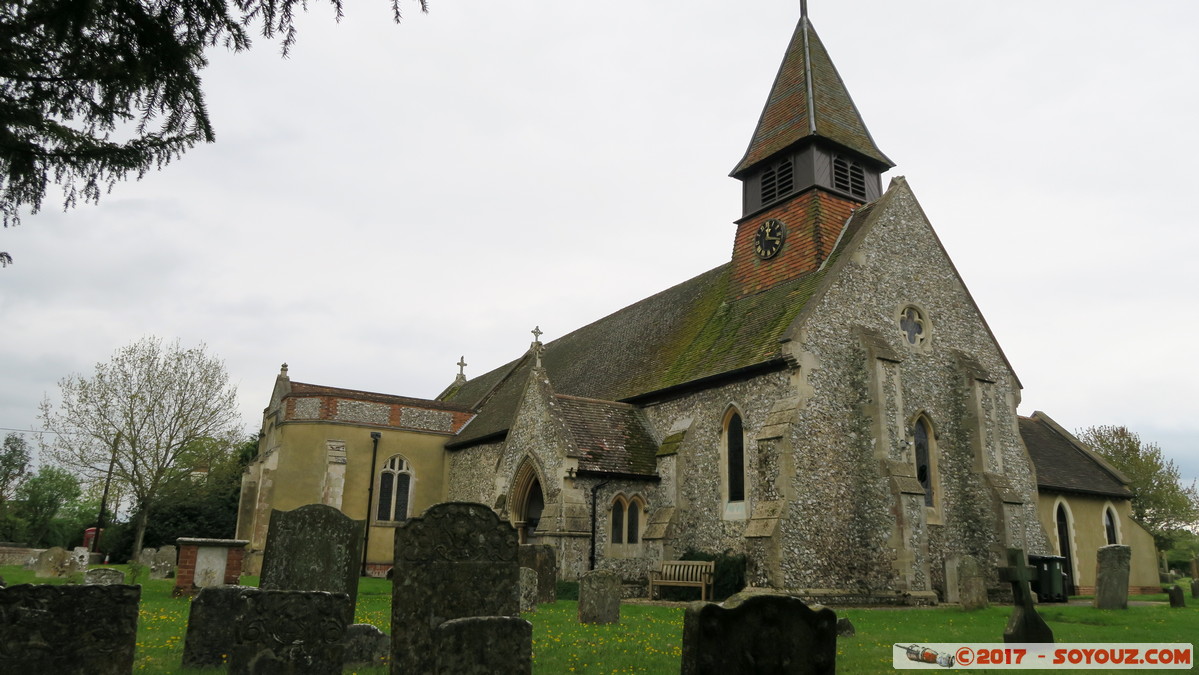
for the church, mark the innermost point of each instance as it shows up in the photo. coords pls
(830, 403)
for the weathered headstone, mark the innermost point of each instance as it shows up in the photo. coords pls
(973, 584)
(1177, 599)
(764, 633)
(458, 560)
(365, 645)
(1194, 587)
(146, 557)
(599, 597)
(103, 576)
(1024, 625)
(1195, 569)
(528, 589)
(68, 630)
(541, 557)
(1111, 577)
(485, 645)
(845, 627)
(80, 558)
(163, 565)
(211, 626)
(53, 562)
(313, 548)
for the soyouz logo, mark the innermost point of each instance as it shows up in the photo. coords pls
(1063, 656)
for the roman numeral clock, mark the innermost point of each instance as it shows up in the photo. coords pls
(769, 239)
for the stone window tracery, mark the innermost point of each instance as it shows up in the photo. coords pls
(395, 489)
(913, 325)
(625, 525)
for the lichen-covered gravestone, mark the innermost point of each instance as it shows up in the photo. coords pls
(599, 597)
(68, 630)
(1177, 599)
(541, 557)
(365, 645)
(53, 562)
(457, 561)
(146, 557)
(485, 645)
(973, 581)
(80, 557)
(313, 548)
(163, 564)
(104, 576)
(1024, 625)
(1111, 577)
(765, 633)
(528, 589)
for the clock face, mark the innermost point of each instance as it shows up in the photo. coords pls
(769, 239)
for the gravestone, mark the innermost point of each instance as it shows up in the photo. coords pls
(365, 645)
(845, 627)
(1176, 597)
(1111, 577)
(599, 597)
(541, 557)
(68, 630)
(313, 548)
(458, 560)
(973, 584)
(1024, 625)
(53, 562)
(104, 576)
(528, 589)
(80, 558)
(1195, 569)
(163, 564)
(1194, 587)
(289, 632)
(485, 645)
(764, 633)
(258, 631)
(146, 557)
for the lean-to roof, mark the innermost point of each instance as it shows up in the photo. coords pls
(1065, 464)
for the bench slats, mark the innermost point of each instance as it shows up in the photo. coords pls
(697, 573)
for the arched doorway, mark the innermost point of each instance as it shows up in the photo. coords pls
(1063, 546)
(528, 503)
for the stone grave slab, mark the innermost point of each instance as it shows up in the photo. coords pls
(103, 576)
(313, 548)
(80, 558)
(599, 597)
(53, 562)
(541, 557)
(1177, 599)
(211, 626)
(289, 632)
(163, 564)
(485, 645)
(365, 645)
(765, 633)
(1024, 625)
(528, 589)
(1111, 577)
(972, 580)
(68, 630)
(458, 560)
(146, 557)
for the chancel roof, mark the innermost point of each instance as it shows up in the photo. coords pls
(682, 336)
(1065, 464)
(808, 100)
(608, 437)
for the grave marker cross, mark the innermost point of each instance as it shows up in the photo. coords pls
(1024, 625)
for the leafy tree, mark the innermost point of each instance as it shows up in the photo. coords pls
(14, 464)
(42, 497)
(94, 91)
(1160, 502)
(146, 414)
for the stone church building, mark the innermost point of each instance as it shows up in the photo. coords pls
(830, 403)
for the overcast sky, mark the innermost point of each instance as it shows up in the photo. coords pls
(390, 198)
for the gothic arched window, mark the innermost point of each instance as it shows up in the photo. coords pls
(1109, 526)
(395, 488)
(925, 457)
(734, 450)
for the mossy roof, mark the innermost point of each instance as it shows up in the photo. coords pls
(1064, 464)
(608, 437)
(808, 100)
(682, 335)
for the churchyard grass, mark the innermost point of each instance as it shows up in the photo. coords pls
(649, 637)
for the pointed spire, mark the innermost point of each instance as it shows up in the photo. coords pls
(808, 99)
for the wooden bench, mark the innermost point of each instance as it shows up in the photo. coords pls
(695, 573)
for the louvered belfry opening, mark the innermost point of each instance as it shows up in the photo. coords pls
(849, 176)
(778, 181)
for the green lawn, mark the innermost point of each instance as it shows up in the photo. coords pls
(649, 638)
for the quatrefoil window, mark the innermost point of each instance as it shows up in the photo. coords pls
(914, 326)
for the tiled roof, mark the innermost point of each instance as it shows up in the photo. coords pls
(808, 99)
(609, 437)
(305, 389)
(1064, 464)
(683, 334)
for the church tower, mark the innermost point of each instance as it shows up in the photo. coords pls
(810, 163)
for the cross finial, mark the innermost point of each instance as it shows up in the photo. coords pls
(536, 333)
(461, 365)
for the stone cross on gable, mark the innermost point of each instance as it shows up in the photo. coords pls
(461, 365)
(1024, 625)
(536, 346)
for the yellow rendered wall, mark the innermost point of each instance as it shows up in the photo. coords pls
(1085, 515)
